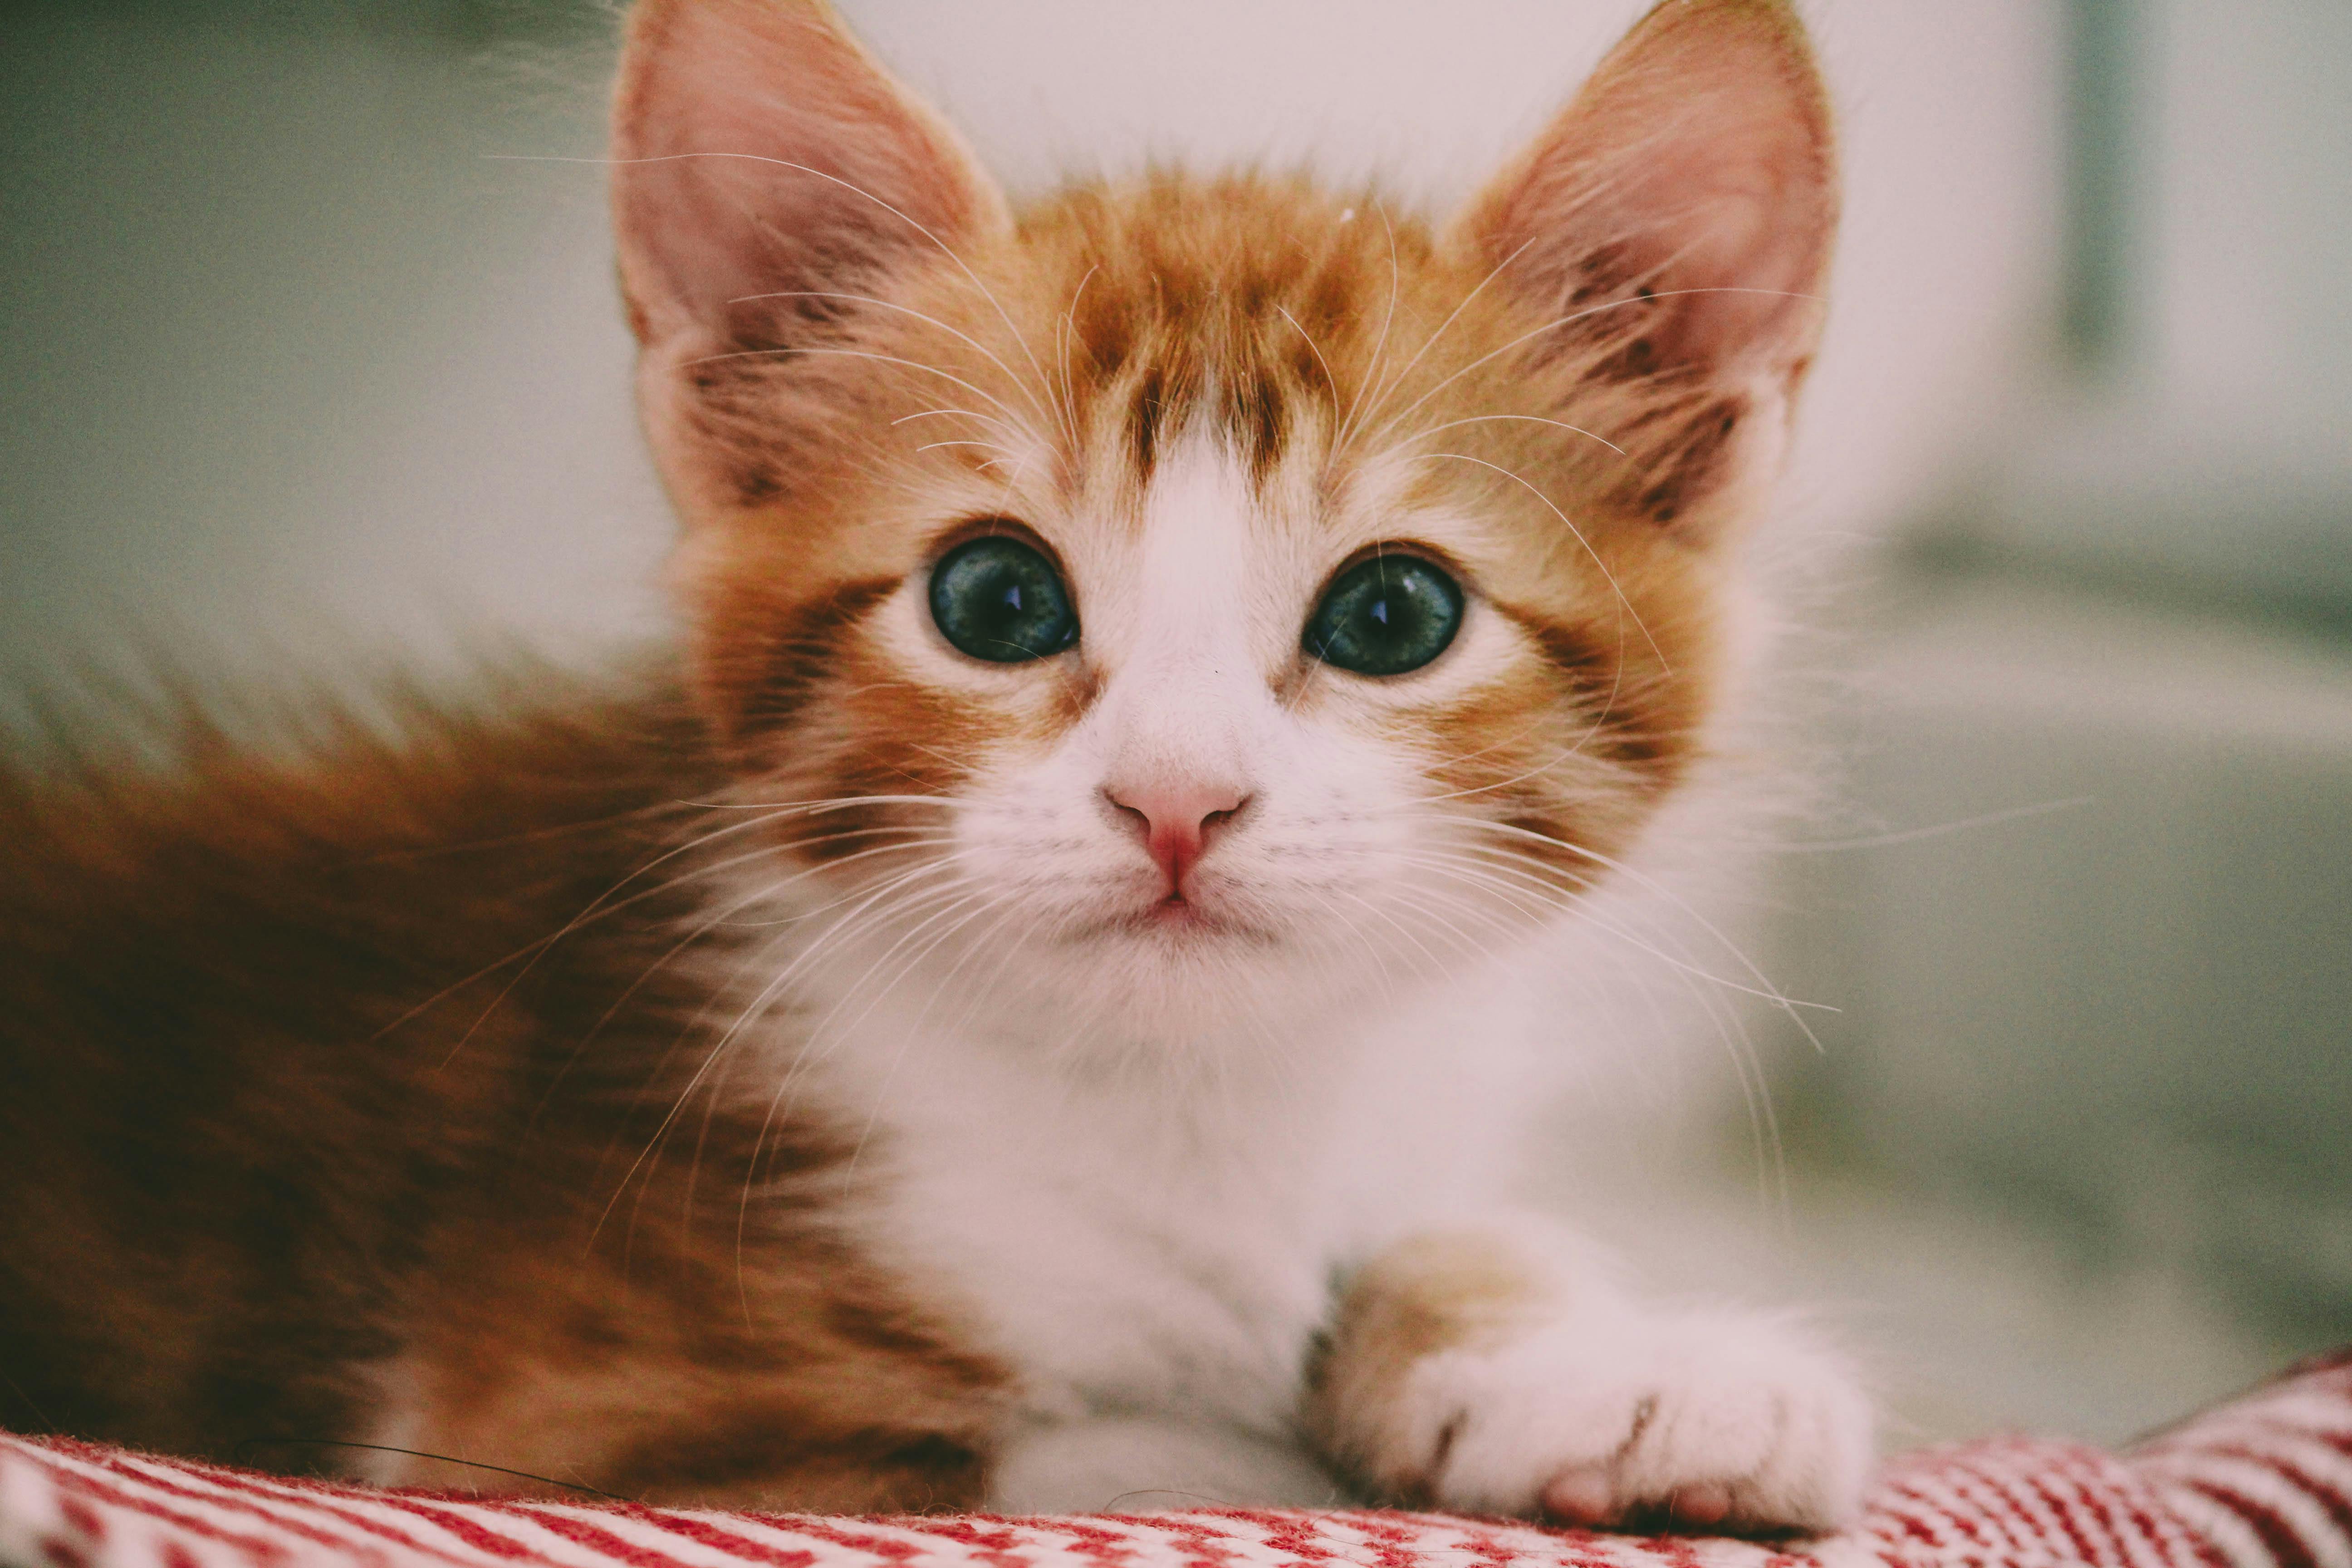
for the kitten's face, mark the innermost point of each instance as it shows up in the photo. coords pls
(1196, 604)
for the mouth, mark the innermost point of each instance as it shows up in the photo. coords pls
(1176, 912)
(1175, 919)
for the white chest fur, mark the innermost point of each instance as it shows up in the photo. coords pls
(1164, 1240)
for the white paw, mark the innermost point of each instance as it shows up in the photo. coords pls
(1711, 1421)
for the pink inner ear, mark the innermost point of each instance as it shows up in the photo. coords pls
(760, 152)
(1697, 165)
(1734, 206)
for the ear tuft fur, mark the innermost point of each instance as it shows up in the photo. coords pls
(764, 159)
(1678, 217)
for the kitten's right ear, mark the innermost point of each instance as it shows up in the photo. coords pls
(1677, 217)
(761, 153)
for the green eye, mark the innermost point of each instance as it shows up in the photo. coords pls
(997, 599)
(1385, 616)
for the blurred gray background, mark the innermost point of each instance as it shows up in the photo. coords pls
(311, 360)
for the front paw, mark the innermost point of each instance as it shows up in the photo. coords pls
(1716, 1421)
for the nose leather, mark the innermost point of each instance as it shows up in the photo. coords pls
(1176, 818)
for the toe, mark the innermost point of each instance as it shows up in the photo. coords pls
(1704, 1505)
(1580, 1496)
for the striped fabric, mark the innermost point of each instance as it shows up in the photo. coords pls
(2266, 1482)
(2267, 1479)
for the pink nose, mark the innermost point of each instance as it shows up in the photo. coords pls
(1176, 818)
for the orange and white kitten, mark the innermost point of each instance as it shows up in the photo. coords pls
(998, 1018)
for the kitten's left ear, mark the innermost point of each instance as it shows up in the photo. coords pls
(762, 159)
(1678, 217)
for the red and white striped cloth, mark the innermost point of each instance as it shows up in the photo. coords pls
(2264, 1482)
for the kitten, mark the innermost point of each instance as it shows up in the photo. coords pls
(987, 1023)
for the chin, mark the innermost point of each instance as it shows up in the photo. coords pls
(1182, 976)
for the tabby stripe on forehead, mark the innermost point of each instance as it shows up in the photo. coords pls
(1256, 413)
(1143, 418)
(796, 656)
(1260, 418)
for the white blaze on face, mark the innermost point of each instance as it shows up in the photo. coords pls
(1186, 708)
(1191, 619)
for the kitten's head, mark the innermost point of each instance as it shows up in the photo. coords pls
(1177, 602)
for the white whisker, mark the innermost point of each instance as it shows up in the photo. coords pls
(1463, 304)
(1554, 325)
(1575, 532)
(1369, 384)
(824, 352)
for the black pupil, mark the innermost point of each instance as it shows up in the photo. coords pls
(1385, 616)
(998, 599)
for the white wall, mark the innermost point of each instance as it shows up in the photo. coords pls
(2213, 456)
